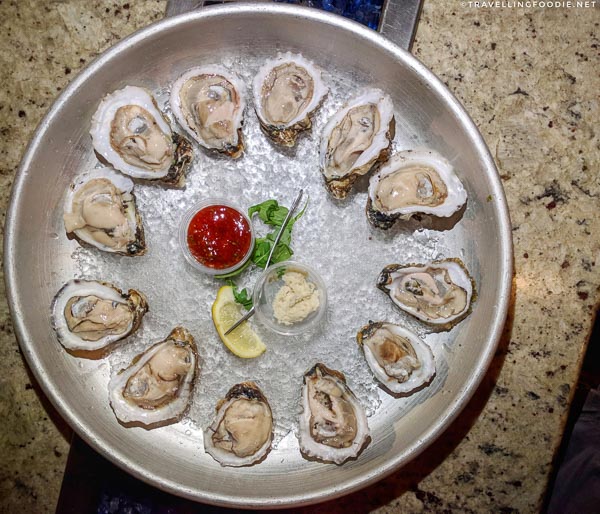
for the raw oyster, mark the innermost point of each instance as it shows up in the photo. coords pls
(242, 430)
(333, 424)
(439, 292)
(209, 102)
(356, 139)
(89, 315)
(100, 210)
(156, 388)
(400, 360)
(286, 92)
(414, 182)
(129, 132)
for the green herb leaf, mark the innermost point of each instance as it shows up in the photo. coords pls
(273, 214)
(261, 252)
(282, 253)
(301, 213)
(270, 212)
(242, 297)
(263, 247)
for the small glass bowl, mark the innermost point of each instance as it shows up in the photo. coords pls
(183, 231)
(267, 286)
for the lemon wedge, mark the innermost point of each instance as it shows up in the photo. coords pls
(243, 341)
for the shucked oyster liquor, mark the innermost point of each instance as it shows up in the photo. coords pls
(439, 292)
(286, 92)
(100, 210)
(356, 139)
(242, 430)
(209, 102)
(89, 316)
(400, 360)
(414, 182)
(333, 424)
(129, 132)
(156, 388)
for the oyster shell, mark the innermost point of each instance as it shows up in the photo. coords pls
(400, 360)
(414, 182)
(156, 389)
(89, 315)
(333, 424)
(100, 210)
(242, 430)
(129, 132)
(209, 102)
(439, 292)
(356, 139)
(287, 90)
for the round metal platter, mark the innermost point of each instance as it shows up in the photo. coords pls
(39, 258)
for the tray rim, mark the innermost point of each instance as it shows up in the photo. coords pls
(498, 198)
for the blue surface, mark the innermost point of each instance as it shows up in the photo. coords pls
(366, 12)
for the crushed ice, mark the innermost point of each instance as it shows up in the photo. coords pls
(333, 237)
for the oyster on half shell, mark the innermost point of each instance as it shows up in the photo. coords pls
(100, 210)
(156, 388)
(129, 132)
(333, 424)
(89, 316)
(398, 358)
(439, 292)
(242, 430)
(414, 182)
(287, 90)
(209, 102)
(356, 139)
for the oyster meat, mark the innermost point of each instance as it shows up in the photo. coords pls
(89, 315)
(333, 424)
(100, 210)
(439, 292)
(129, 132)
(156, 388)
(398, 358)
(287, 90)
(414, 182)
(242, 430)
(356, 139)
(209, 102)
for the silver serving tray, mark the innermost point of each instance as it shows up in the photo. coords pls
(38, 257)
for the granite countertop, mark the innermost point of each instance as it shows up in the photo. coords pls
(528, 77)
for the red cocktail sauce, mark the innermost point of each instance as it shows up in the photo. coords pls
(218, 236)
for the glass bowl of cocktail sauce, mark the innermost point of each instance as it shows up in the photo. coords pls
(216, 236)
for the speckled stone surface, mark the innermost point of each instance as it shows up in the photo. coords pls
(529, 78)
